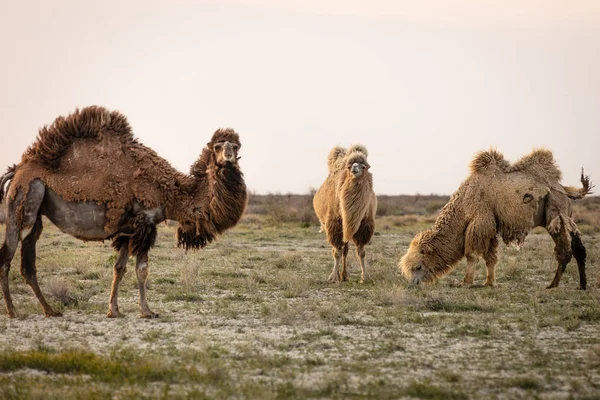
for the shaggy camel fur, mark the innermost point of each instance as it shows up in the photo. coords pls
(346, 205)
(91, 177)
(499, 199)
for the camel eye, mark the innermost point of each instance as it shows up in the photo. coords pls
(419, 267)
(236, 147)
(218, 146)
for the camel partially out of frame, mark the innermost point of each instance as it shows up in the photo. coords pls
(500, 199)
(346, 205)
(95, 181)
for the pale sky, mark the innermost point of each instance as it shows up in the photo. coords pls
(423, 84)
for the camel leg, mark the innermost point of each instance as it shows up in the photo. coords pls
(119, 270)
(333, 229)
(344, 271)
(580, 255)
(7, 252)
(364, 274)
(29, 270)
(361, 238)
(337, 256)
(470, 274)
(562, 253)
(141, 270)
(491, 259)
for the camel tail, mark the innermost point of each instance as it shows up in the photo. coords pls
(10, 173)
(579, 193)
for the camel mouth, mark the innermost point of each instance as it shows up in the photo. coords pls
(229, 157)
(229, 153)
(356, 169)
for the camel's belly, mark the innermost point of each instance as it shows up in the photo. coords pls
(83, 220)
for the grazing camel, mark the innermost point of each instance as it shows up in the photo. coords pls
(500, 199)
(92, 179)
(345, 205)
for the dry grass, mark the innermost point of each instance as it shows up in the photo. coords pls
(252, 316)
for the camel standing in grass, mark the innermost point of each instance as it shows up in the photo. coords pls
(346, 205)
(91, 178)
(500, 199)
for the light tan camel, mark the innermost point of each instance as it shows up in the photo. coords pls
(346, 205)
(499, 199)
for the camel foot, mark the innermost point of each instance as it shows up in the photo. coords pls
(115, 314)
(552, 286)
(333, 278)
(51, 313)
(11, 312)
(581, 288)
(466, 282)
(489, 284)
(149, 314)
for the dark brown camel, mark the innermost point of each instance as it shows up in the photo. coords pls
(95, 181)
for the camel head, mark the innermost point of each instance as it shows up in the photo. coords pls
(356, 164)
(422, 263)
(225, 145)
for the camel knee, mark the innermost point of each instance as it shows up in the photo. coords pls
(360, 252)
(577, 247)
(337, 252)
(4, 270)
(563, 256)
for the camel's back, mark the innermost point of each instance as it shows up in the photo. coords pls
(96, 164)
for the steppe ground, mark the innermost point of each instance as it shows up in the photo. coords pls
(252, 316)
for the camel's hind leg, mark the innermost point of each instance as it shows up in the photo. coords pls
(141, 270)
(28, 268)
(7, 252)
(344, 271)
(120, 267)
(27, 208)
(364, 274)
(333, 229)
(491, 259)
(562, 249)
(580, 255)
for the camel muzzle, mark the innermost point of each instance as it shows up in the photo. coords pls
(228, 153)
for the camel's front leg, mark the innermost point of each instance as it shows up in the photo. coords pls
(470, 274)
(491, 259)
(119, 270)
(364, 275)
(337, 256)
(141, 270)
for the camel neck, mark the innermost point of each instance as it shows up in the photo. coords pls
(449, 231)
